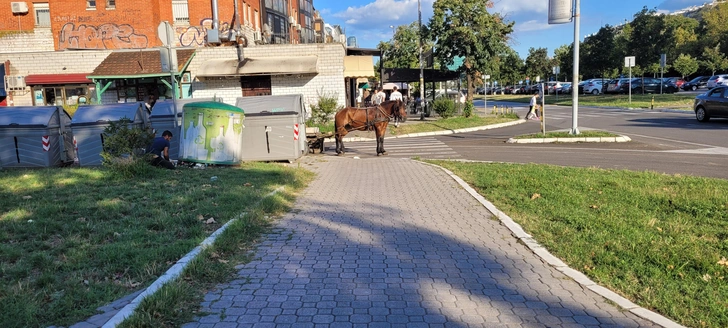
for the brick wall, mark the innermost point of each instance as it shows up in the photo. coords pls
(49, 62)
(40, 39)
(329, 80)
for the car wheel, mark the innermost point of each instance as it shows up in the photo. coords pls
(595, 92)
(695, 87)
(701, 115)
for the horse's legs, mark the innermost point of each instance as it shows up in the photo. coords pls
(380, 131)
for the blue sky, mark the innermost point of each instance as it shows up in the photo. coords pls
(370, 20)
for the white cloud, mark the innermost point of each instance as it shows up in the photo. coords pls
(510, 7)
(532, 25)
(680, 4)
(382, 13)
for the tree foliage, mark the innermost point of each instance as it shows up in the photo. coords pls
(477, 38)
(685, 65)
(538, 64)
(714, 59)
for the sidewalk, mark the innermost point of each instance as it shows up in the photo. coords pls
(398, 243)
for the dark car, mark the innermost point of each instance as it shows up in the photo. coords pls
(648, 85)
(713, 103)
(696, 83)
(677, 81)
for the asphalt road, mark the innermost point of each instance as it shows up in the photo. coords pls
(667, 142)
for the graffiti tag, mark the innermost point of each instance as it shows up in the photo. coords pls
(105, 36)
(195, 35)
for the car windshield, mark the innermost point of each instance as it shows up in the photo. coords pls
(697, 79)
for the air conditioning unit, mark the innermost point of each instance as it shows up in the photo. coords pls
(298, 27)
(14, 83)
(257, 36)
(19, 7)
(291, 19)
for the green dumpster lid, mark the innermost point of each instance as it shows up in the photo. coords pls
(213, 105)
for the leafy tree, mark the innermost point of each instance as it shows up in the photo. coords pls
(714, 59)
(511, 70)
(648, 39)
(600, 54)
(538, 64)
(465, 28)
(403, 50)
(682, 34)
(564, 58)
(715, 28)
(685, 65)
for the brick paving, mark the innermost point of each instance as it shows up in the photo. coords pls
(387, 242)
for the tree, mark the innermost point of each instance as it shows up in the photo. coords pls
(478, 39)
(649, 38)
(600, 53)
(538, 64)
(714, 28)
(564, 58)
(685, 65)
(403, 50)
(714, 59)
(511, 69)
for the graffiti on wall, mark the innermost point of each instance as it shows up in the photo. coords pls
(104, 36)
(195, 35)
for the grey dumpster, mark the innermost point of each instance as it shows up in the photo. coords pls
(89, 122)
(35, 137)
(161, 119)
(275, 128)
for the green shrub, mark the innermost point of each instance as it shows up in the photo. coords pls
(323, 111)
(444, 107)
(468, 110)
(124, 148)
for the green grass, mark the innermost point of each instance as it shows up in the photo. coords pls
(676, 100)
(565, 134)
(659, 240)
(74, 239)
(451, 123)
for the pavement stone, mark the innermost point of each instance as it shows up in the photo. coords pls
(396, 243)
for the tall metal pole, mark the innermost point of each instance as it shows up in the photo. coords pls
(422, 69)
(575, 76)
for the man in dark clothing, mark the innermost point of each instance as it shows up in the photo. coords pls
(160, 150)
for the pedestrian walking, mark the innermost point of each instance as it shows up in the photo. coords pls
(532, 107)
(379, 96)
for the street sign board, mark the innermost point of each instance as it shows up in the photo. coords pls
(560, 11)
(629, 61)
(663, 60)
(165, 33)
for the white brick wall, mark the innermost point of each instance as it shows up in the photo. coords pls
(49, 62)
(329, 80)
(41, 39)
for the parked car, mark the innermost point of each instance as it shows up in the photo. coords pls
(551, 86)
(565, 88)
(647, 85)
(593, 86)
(713, 103)
(696, 83)
(615, 85)
(716, 80)
(677, 81)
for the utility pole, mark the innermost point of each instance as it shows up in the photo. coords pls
(422, 69)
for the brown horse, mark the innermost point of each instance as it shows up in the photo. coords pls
(368, 119)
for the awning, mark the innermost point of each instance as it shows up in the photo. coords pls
(358, 66)
(79, 78)
(259, 66)
(137, 64)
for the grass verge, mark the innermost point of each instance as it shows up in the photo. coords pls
(676, 100)
(658, 240)
(565, 134)
(72, 240)
(452, 123)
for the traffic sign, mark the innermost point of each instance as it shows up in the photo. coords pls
(629, 61)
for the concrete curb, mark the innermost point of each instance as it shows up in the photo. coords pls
(559, 265)
(570, 140)
(172, 273)
(437, 133)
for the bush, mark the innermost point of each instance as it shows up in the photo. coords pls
(468, 110)
(444, 107)
(323, 111)
(125, 147)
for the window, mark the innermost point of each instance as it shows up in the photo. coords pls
(716, 93)
(256, 85)
(42, 14)
(110, 4)
(90, 4)
(180, 11)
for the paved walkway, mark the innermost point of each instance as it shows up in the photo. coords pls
(396, 243)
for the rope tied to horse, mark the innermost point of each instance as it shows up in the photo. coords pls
(379, 116)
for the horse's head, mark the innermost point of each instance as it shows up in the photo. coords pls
(398, 110)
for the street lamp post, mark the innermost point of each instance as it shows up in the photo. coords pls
(485, 93)
(392, 27)
(422, 70)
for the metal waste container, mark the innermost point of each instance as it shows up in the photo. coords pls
(275, 128)
(89, 122)
(162, 118)
(211, 133)
(35, 136)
